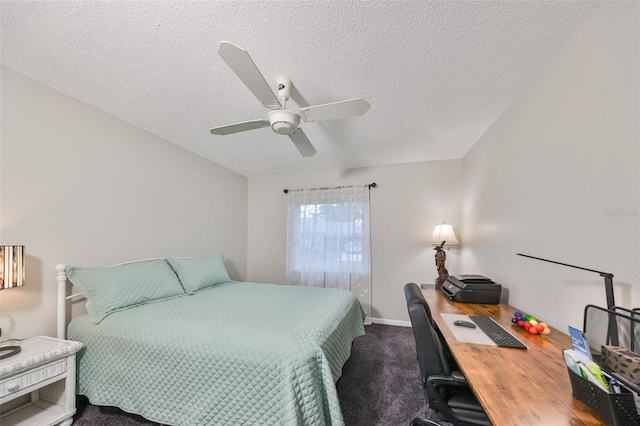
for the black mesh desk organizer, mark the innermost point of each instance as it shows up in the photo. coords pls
(616, 327)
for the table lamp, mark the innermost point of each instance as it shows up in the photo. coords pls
(442, 234)
(11, 275)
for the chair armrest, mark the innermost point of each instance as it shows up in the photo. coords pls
(453, 380)
(438, 397)
(459, 377)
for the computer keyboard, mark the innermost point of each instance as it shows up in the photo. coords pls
(499, 335)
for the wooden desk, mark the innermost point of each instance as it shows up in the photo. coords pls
(515, 386)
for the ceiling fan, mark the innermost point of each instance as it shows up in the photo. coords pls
(280, 119)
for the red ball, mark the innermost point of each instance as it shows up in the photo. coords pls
(521, 323)
(539, 327)
(527, 325)
(533, 330)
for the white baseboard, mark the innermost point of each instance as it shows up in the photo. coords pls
(397, 323)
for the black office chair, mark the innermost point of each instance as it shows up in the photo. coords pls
(413, 294)
(446, 390)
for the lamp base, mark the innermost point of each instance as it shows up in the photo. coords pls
(7, 351)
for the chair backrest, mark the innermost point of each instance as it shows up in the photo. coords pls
(431, 357)
(413, 294)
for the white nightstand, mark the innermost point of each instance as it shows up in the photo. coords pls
(46, 369)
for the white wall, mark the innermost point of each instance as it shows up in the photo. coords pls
(409, 201)
(557, 176)
(79, 186)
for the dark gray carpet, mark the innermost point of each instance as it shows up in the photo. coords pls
(380, 385)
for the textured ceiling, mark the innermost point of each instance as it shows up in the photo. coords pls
(437, 74)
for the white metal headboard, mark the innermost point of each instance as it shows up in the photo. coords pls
(61, 321)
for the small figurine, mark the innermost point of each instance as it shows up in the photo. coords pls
(443, 274)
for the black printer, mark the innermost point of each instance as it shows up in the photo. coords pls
(472, 289)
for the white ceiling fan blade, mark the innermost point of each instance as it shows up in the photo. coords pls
(342, 109)
(301, 142)
(239, 127)
(241, 63)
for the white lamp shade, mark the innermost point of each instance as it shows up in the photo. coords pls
(11, 266)
(443, 232)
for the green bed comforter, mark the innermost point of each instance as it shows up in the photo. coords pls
(236, 354)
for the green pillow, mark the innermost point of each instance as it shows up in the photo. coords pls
(198, 274)
(115, 288)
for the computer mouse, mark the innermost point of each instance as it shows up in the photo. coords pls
(464, 324)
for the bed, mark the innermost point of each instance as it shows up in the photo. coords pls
(177, 342)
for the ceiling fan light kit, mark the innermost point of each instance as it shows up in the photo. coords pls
(281, 120)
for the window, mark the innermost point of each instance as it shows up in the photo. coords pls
(330, 236)
(328, 240)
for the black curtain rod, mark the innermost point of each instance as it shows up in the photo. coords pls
(371, 185)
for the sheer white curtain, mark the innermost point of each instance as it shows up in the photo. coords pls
(328, 240)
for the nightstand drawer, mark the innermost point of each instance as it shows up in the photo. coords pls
(30, 378)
